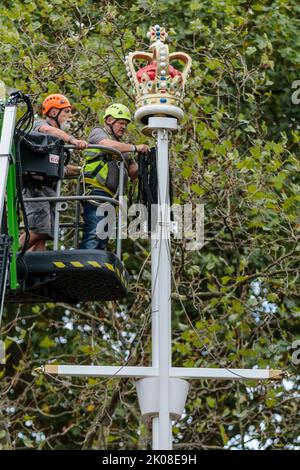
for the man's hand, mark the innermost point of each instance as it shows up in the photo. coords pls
(72, 170)
(79, 144)
(143, 148)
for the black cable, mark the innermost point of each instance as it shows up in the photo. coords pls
(147, 190)
(21, 205)
(23, 127)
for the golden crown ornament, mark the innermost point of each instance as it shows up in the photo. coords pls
(158, 85)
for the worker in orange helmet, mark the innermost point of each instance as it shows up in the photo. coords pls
(57, 113)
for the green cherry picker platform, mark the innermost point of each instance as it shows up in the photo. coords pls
(61, 275)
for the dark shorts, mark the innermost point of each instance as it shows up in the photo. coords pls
(40, 215)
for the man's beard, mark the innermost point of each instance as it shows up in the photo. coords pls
(65, 126)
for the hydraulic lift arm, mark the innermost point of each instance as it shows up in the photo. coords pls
(8, 241)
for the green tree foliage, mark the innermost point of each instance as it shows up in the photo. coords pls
(236, 301)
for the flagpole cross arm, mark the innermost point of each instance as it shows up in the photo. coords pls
(148, 384)
(153, 372)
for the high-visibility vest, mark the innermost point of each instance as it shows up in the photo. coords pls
(96, 169)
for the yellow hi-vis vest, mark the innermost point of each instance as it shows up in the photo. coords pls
(96, 169)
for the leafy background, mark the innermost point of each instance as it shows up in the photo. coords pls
(236, 301)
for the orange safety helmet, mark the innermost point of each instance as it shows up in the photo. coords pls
(55, 101)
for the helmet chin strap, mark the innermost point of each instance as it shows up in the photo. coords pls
(55, 118)
(112, 129)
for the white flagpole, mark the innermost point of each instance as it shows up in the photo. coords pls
(163, 289)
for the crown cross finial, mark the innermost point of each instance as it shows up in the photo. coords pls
(156, 33)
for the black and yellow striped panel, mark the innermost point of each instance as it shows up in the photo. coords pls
(120, 272)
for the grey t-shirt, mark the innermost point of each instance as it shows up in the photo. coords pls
(38, 123)
(97, 134)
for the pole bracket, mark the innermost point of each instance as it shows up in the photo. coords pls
(148, 396)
